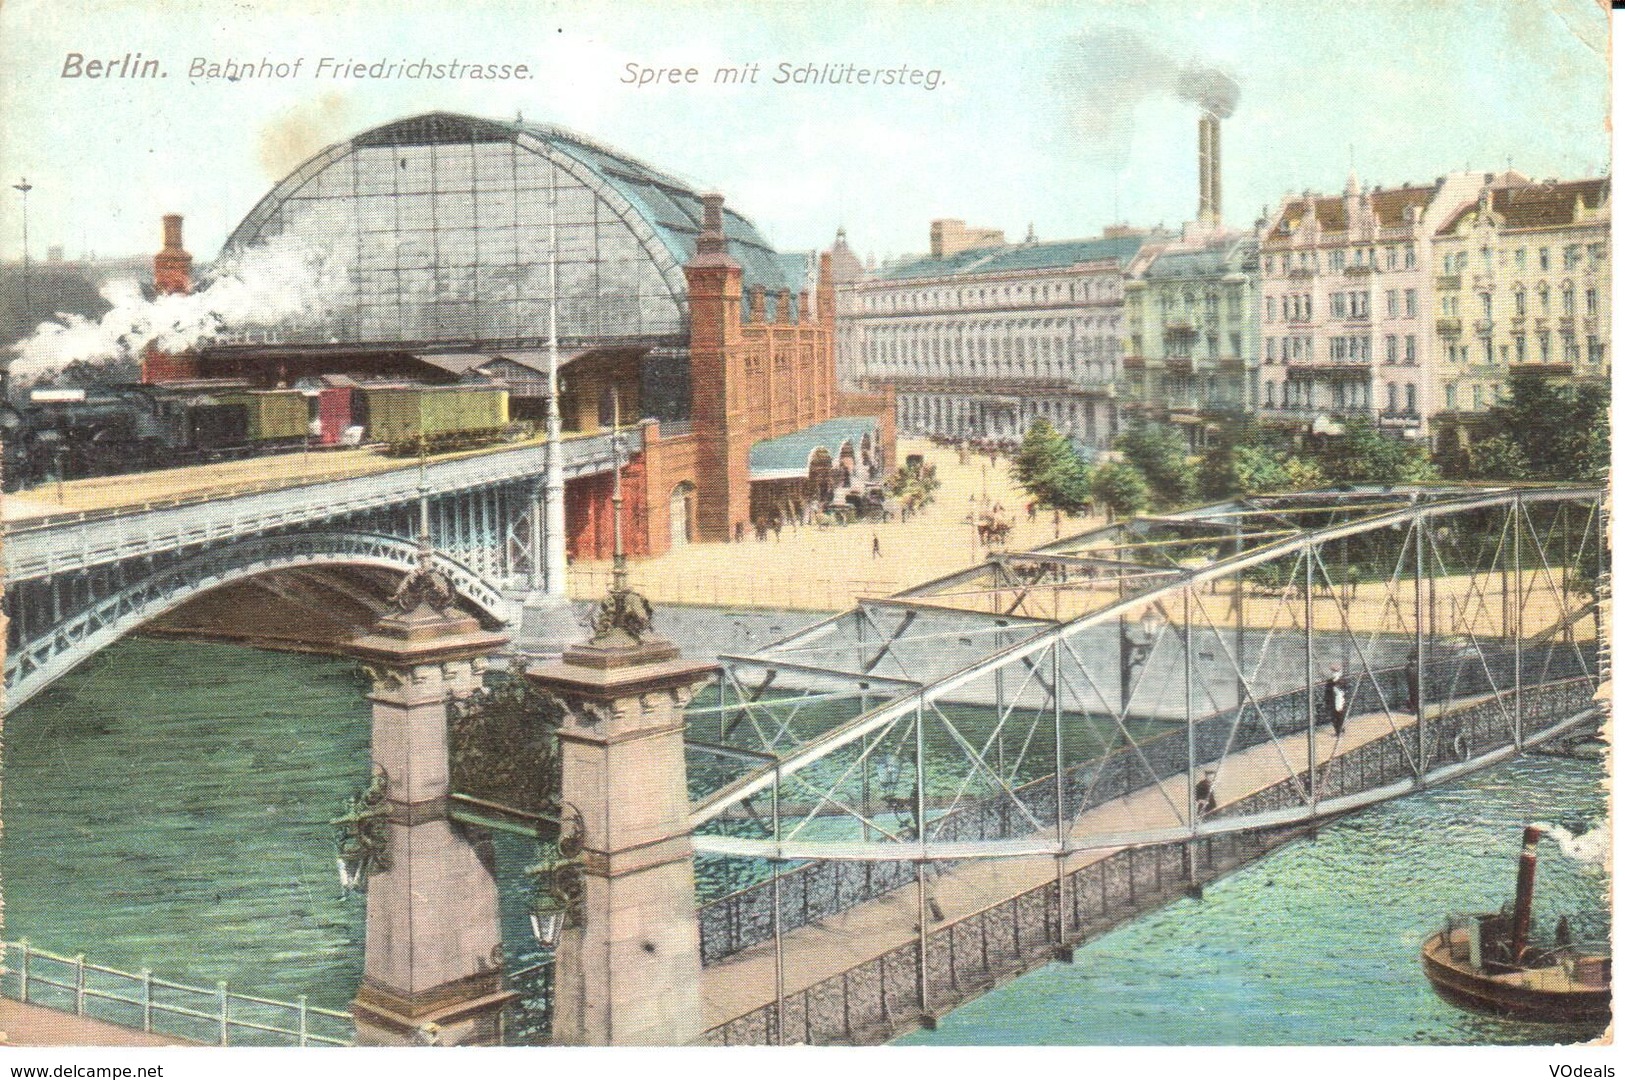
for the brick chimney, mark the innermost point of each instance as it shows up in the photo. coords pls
(172, 267)
(171, 276)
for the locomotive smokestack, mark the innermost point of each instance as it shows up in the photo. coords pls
(1207, 162)
(1523, 905)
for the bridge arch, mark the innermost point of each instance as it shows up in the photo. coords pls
(36, 664)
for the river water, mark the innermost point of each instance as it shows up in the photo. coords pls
(166, 806)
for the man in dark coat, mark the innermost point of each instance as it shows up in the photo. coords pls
(1336, 699)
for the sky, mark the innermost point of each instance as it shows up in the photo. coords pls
(1061, 116)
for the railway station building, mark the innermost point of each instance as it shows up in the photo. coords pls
(425, 250)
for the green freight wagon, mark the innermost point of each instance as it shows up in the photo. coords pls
(441, 417)
(278, 416)
(273, 415)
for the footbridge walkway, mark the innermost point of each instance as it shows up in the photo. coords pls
(931, 794)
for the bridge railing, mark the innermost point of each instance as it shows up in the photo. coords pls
(819, 889)
(895, 991)
(147, 1003)
(60, 542)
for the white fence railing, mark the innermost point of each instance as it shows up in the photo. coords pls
(158, 1006)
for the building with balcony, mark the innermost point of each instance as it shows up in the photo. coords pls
(1523, 284)
(980, 341)
(1190, 331)
(1348, 323)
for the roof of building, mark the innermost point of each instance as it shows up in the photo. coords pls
(1331, 213)
(1012, 258)
(1218, 256)
(1539, 205)
(670, 207)
(787, 456)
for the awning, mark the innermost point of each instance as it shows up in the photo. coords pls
(787, 457)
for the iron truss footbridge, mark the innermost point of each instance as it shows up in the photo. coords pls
(1243, 666)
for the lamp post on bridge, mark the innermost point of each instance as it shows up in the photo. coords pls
(546, 624)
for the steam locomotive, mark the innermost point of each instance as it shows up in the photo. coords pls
(73, 433)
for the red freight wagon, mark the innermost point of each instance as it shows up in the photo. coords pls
(333, 410)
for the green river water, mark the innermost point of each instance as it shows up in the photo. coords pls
(166, 806)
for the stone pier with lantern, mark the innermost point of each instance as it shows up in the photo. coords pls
(627, 969)
(433, 971)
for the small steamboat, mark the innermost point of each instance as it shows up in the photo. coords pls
(1488, 962)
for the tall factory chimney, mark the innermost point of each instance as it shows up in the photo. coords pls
(1207, 159)
(171, 275)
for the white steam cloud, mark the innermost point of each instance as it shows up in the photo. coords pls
(1590, 847)
(1104, 74)
(258, 288)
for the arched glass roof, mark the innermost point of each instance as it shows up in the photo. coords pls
(435, 228)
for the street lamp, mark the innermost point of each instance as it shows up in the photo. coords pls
(28, 307)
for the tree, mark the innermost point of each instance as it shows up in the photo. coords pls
(1049, 469)
(1160, 455)
(1560, 429)
(1121, 488)
(1364, 455)
(1247, 460)
(1498, 457)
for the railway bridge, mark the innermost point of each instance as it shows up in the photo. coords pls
(77, 582)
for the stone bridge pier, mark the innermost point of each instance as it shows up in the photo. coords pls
(629, 973)
(433, 967)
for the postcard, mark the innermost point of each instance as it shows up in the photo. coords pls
(1036, 525)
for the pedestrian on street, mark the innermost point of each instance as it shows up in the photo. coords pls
(874, 550)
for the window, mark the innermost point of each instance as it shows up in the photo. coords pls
(1338, 305)
(1269, 350)
(1393, 259)
(1518, 347)
(1593, 350)
(1489, 352)
(1545, 300)
(1518, 302)
(1484, 256)
(1339, 348)
(1393, 397)
(1410, 398)
(1410, 303)
(1519, 259)
(1410, 349)
(1392, 355)
(1591, 301)
(1450, 396)
(1568, 299)
(1393, 303)
(1410, 256)
(1336, 261)
(1545, 347)
(1478, 397)
(1545, 259)
(1484, 302)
